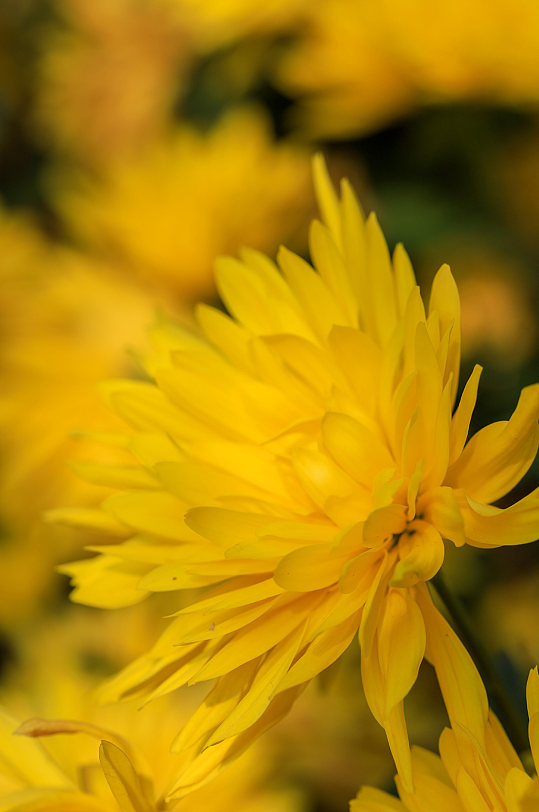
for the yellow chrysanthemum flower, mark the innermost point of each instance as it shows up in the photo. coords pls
(60, 334)
(108, 75)
(301, 462)
(120, 777)
(470, 776)
(358, 65)
(217, 25)
(74, 772)
(165, 214)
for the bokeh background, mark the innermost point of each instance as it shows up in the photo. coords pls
(140, 139)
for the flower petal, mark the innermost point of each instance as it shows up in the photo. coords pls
(487, 526)
(498, 456)
(461, 686)
(421, 553)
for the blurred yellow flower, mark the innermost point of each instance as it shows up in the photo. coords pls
(301, 462)
(497, 309)
(124, 774)
(470, 776)
(108, 75)
(167, 213)
(62, 329)
(358, 65)
(132, 768)
(216, 25)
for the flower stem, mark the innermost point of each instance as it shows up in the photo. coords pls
(502, 703)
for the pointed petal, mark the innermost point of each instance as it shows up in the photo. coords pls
(487, 526)
(460, 424)
(267, 681)
(461, 686)
(370, 799)
(444, 299)
(401, 645)
(122, 779)
(497, 457)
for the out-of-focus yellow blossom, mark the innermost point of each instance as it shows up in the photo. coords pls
(358, 65)
(497, 309)
(216, 25)
(72, 772)
(301, 462)
(123, 776)
(65, 322)
(166, 214)
(109, 75)
(470, 776)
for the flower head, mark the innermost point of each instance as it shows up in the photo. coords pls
(221, 184)
(469, 775)
(301, 462)
(356, 66)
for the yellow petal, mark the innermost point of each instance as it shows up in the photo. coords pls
(444, 299)
(421, 553)
(397, 738)
(219, 703)
(355, 448)
(52, 800)
(401, 645)
(258, 297)
(359, 573)
(144, 407)
(309, 568)
(208, 763)
(462, 689)
(487, 526)
(234, 593)
(257, 638)
(353, 246)
(122, 779)
(532, 692)
(326, 197)
(497, 457)
(370, 799)
(460, 423)
(155, 512)
(322, 652)
(382, 524)
(181, 575)
(87, 519)
(404, 276)
(532, 698)
(316, 300)
(469, 793)
(384, 303)
(266, 682)
(25, 760)
(519, 789)
(226, 527)
(440, 507)
(330, 264)
(358, 359)
(114, 476)
(106, 581)
(226, 335)
(373, 607)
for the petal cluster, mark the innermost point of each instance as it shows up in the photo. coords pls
(471, 774)
(299, 463)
